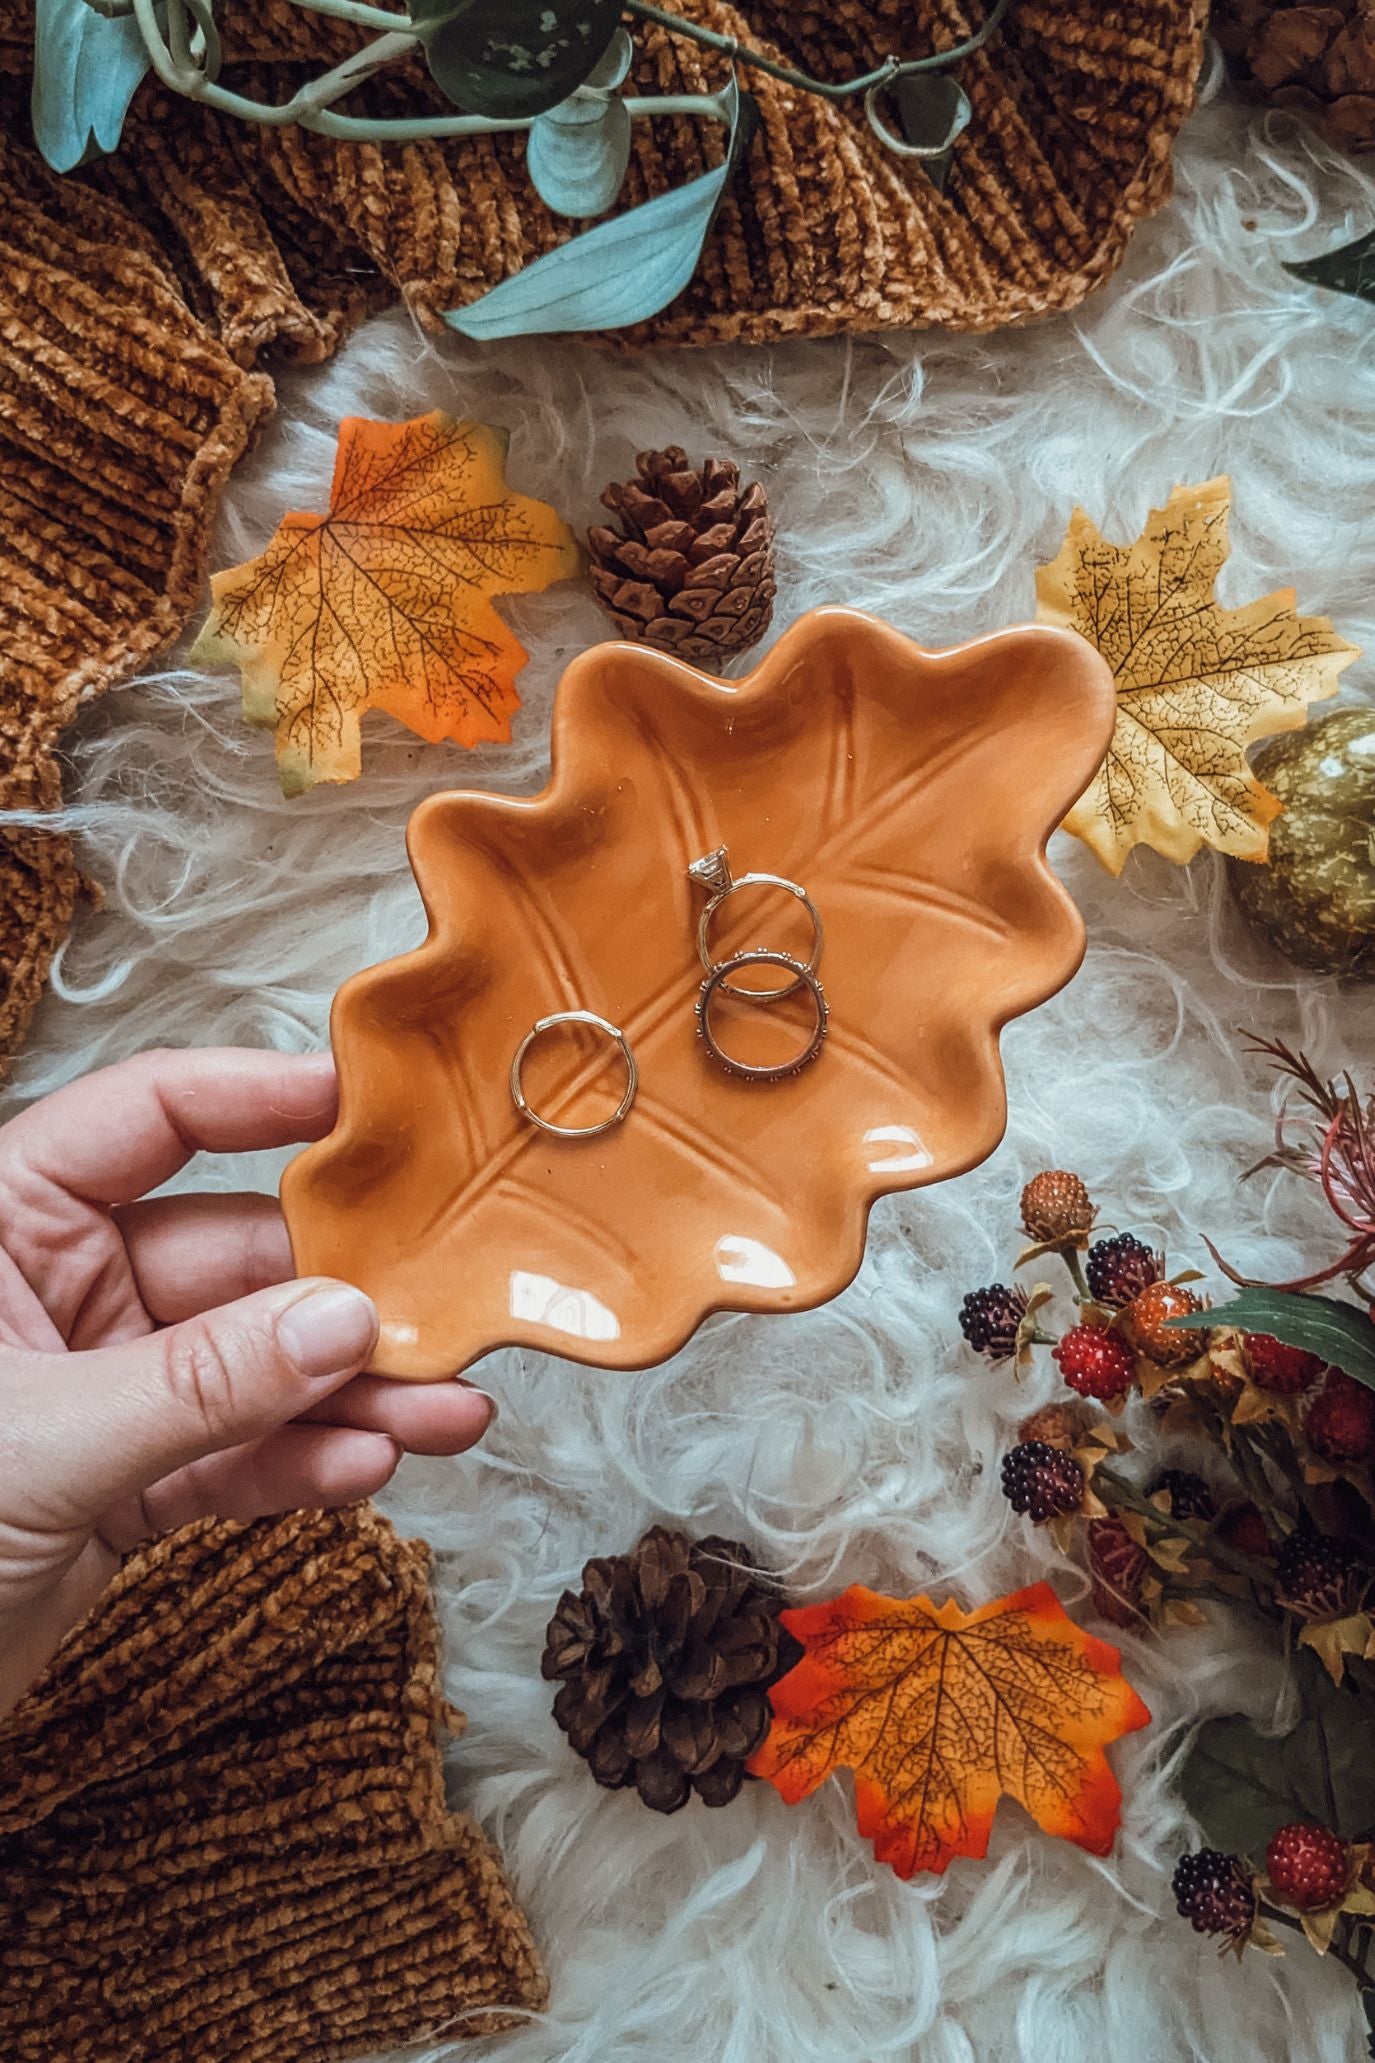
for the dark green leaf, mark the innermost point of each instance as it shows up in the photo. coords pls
(1350, 269)
(513, 59)
(1338, 1333)
(1240, 1784)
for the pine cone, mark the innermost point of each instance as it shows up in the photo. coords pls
(666, 1656)
(692, 572)
(1318, 59)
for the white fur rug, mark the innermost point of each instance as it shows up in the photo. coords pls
(921, 478)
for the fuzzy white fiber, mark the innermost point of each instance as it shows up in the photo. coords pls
(923, 478)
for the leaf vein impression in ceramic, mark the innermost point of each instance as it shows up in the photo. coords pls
(848, 753)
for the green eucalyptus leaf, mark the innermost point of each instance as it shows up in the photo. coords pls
(1240, 1785)
(1350, 269)
(86, 70)
(1336, 1332)
(513, 59)
(623, 269)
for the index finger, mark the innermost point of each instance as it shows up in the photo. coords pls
(123, 1131)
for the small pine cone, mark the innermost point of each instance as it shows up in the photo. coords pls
(1340, 1422)
(1309, 1866)
(989, 1319)
(1056, 1206)
(1213, 1893)
(1318, 60)
(1119, 1568)
(665, 1658)
(1319, 1577)
(1147, 1316)
(1042, 1481)
(1058, 1425)
(1284, 1371)
(691, 571)
(1190, 1497)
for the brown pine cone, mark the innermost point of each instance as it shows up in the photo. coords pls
(665, 1656)
(1317, 59)
(692, 570)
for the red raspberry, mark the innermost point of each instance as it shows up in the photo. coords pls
(1341, 1419)
(1146, 1319)
(1244, 1529)
(1284, 1371)
(1308, 1866)
(1095, 1362)
(1119, 1568)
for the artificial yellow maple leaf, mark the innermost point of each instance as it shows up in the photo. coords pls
(386, 601)
(941, 1712)
(1196, 683)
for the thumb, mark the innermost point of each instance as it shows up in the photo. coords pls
(121, 1418)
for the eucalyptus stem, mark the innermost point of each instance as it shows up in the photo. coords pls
(868, 82)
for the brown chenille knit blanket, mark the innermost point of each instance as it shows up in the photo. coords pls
(223, 1832)
(138, 296)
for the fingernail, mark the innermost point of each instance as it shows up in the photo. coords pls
(332, 1328)
(490, 1401)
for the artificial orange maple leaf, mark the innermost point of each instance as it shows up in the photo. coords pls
(386, 601)
(1196, 683)
(941, 1712)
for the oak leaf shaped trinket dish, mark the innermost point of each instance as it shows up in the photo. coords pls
(912, 794)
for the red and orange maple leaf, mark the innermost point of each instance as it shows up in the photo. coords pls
(940, 1713)
(385, 602)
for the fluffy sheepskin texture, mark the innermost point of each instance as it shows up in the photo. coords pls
(922, 478)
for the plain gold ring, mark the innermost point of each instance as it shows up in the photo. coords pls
(601, 1024)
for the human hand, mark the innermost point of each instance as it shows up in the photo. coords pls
(156, 1363)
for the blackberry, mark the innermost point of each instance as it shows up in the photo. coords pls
(1041, 1480)
(1120, 1268)
(989, 1319)
(1213, 1893)
(1056, 1206)
(1190, 1497)
(1320, 1577)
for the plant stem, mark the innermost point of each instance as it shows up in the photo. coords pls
(1070, 1256)
(1193, 1529)
(891, 68)
(1350, 1959)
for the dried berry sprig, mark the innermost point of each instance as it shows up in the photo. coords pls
(1335, 1150)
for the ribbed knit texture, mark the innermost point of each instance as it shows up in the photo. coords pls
(222, 1822)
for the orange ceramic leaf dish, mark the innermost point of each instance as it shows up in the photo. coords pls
(941, 1713)
(912, 792)
(386, 601)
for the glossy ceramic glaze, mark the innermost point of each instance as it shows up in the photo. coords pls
(911, 792)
